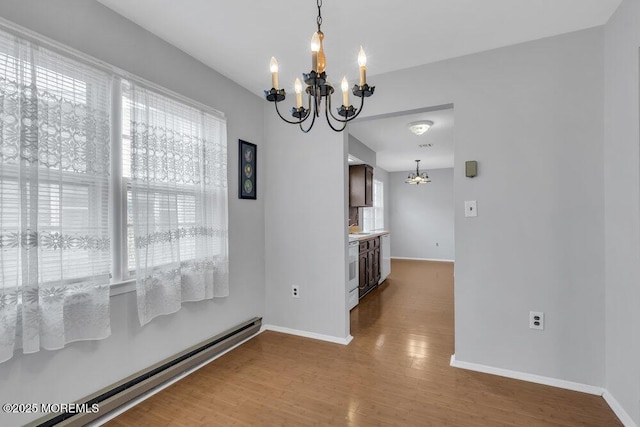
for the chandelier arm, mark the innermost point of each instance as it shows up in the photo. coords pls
(289, 121)
(344, 125)
(313, 120)
(327, 108)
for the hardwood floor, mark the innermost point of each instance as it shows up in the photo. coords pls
(395, 372)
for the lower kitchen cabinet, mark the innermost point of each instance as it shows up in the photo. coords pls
(363, 261)
(369, 265)
(375, 270)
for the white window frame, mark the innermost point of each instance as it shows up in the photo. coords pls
(373, 217)
(120, 278)
(378, 204)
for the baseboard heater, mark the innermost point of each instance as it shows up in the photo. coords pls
(135, 385)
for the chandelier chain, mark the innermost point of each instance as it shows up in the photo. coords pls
(319, 19)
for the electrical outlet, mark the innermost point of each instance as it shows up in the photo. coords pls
(536, 320)
(295, 291)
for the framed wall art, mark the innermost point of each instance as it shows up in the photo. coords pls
(247, 178)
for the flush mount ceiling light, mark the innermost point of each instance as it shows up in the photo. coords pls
(418, 178)
(318, 88)
(420, 127)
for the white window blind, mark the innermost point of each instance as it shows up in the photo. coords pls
(54, 192)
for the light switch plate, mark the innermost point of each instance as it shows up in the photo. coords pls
(470, 208)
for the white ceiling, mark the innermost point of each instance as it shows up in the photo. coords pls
(237, 38)
(397, 148)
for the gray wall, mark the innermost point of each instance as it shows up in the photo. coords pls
(532, 115)
(622, 202)
(306, 227)
(422, 215)
(82, 368)
(358, 149)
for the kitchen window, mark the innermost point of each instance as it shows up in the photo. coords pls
(373, 217)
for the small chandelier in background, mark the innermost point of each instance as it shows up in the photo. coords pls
(318, 88)
(418, 178)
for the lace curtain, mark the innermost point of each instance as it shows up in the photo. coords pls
(55, 253)
(179, 203)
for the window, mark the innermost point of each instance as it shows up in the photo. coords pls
(68, 108)
(82, 208)
(373, 217)
(172, 143)
(175, 177)
(55, 247)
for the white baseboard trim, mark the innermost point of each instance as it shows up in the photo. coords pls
(306, 334)
(422, 259)
(554, 382)
(617, 409)
(615, 406)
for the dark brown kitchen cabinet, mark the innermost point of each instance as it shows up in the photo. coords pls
(371, 276)
(360, 186)
(369, 265)
(375, 267)
(362, 271)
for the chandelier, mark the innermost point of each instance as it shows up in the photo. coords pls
(318, 88)
(417, 178)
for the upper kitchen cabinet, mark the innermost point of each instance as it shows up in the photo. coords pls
(360, 186)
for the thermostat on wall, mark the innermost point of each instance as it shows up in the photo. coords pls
(471, 168)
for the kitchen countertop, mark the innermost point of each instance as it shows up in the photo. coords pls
(358, 237)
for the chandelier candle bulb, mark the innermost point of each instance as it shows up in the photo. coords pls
(315, 48)
(345, 91)
(322, 59)
(362, 62)
(273, 66)
(298, 88)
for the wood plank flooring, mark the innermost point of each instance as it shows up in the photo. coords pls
(395, 372)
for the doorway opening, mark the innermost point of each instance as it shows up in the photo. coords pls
(419, 217)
